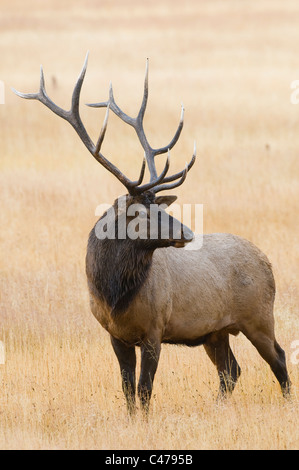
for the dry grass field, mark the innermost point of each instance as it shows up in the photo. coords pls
(231, 63)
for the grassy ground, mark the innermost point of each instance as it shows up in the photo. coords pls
(231, 63)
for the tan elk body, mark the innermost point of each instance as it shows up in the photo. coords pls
(150, 290)
(190, 294)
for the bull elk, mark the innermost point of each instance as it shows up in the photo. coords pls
(147, 291)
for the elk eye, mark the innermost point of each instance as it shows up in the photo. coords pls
(142, 214)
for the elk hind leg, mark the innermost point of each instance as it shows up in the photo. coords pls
(218, 349)
(273, 354)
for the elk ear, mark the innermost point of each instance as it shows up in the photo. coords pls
(165, 200)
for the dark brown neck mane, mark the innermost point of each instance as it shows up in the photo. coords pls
(116, 270)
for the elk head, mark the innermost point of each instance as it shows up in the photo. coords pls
(138, 193)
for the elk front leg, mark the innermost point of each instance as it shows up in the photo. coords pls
(127, 361)
(150, 353)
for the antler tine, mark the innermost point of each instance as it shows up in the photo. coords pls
(134, 184)
(103, 132)
(182, 175)
(175, 138)
(114, 107)
(145, 95)
(156, 181)
(168, 179)
(33, 96)
(163, 187)
(42, 97)
(77, 88)
(72, 116)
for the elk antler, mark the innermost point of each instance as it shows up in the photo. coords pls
(150, 153)
(157, 183)
(73, 117)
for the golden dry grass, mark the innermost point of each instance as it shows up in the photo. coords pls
(231, 63)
